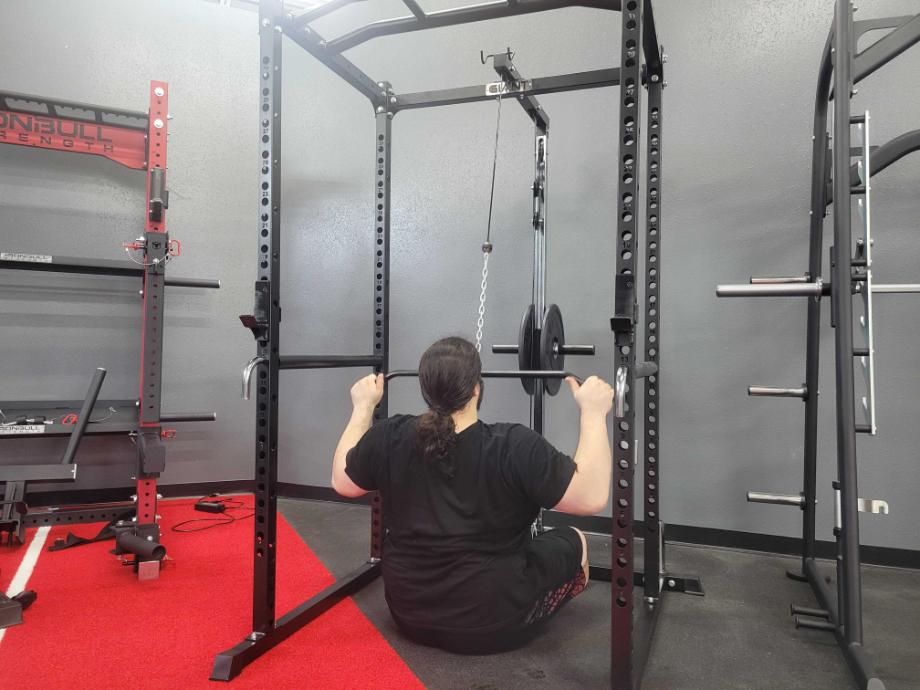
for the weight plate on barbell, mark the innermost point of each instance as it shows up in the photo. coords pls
(525, 347)
(552, 340)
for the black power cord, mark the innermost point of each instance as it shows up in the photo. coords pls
(213, 503)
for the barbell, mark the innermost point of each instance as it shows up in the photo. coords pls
(546, 363)
(529, 375)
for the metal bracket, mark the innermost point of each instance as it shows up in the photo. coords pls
(258, 322)
(675, 583)
(620, 390)
(874, 506)
(151, 453)
(624, 318)
(247, 374)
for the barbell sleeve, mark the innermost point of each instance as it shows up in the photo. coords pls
(777, 499)
(895, 288)
(778, 280)
(816, 289)
(192, 283)
(188, 417)
(575, 350)
(767, 391)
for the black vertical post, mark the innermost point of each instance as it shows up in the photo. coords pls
(541, 141)
(384, 128)
(849, 577)
(652, 466)
(538, 394)
(267, 298)
(813, 338)
(623, 324)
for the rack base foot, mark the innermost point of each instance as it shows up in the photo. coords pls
(230, 663)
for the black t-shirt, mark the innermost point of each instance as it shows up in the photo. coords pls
(456, 551)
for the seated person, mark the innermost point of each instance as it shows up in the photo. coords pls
(461, 569)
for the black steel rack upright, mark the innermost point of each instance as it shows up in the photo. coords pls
(641, 65)
(137, 140)
(835, 179)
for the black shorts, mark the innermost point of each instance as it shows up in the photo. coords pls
(554, 563)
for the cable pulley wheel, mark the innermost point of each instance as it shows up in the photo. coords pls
(552, 341)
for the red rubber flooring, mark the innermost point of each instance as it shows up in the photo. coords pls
(95, 626)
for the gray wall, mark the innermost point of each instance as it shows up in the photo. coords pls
(735, 203)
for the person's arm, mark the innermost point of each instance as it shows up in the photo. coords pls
(589, 489)
(365, 395)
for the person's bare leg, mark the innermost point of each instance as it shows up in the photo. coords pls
(585, 567)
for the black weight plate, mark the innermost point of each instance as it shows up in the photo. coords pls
(525, 347)
(552, 338)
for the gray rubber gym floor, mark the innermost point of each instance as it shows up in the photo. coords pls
(740, 635)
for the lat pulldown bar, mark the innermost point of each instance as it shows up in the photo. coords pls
(499, 374)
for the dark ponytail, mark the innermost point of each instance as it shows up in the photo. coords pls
(448, 372)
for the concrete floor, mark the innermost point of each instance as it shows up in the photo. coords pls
(740, 635)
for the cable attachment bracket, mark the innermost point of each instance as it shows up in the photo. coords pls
(483, 58)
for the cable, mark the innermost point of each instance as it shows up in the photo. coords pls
(226, 519)
(498, 123)
(112, 413)
(487, 245)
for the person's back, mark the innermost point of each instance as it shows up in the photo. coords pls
(460, 567)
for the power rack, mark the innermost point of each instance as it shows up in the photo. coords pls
(641, 66)
(137, 140)
(837, 179)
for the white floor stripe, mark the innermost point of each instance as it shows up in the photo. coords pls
(24, 572)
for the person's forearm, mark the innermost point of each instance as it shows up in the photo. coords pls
(359, 423)
(592, 456)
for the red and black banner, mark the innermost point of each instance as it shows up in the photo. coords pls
(122, 145)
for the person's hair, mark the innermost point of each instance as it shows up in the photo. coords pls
(448, 372)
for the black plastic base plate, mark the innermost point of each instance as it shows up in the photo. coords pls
(796, 575)
(10, 612)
